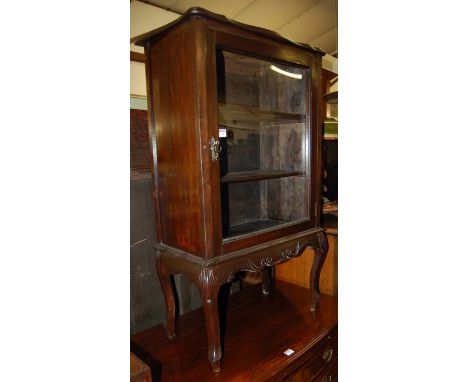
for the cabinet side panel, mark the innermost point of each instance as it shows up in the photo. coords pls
(175, 114)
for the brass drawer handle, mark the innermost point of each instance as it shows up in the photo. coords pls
(327, 355)
(328, 378)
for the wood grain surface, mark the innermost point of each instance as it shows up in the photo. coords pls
(139, 371)
(296, 270)
(258, 329)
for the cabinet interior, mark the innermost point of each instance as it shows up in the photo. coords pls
(262, 116)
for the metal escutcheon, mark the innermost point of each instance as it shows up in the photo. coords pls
(327, 355)
(215, 149)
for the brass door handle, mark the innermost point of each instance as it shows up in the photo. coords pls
(215, 149)
(327, 355)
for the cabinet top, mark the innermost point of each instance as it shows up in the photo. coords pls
(203, 13)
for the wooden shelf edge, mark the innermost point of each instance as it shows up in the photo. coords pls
(239, 114)
(249, 176)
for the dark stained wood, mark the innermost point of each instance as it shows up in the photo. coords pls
(232, 246)
(207, 125)
(210, 275)
(253, 225)
(210, 285)
(183, 94)
(231, 39)
(308, 374)
(139, 371)
(152, 143)
(246, 176)
(138, 57)
(147, 299)
(239, 116)
(253, 348)
(314, 278)
(174, 101)
(184, 102)
(316, 140)
(165, 281)
(329, 77)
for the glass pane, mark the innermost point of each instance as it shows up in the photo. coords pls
(262, 128)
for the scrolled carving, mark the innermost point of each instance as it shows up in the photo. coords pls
(212, 277)
(285, 255)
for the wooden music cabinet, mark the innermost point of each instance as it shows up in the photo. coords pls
(235, 130)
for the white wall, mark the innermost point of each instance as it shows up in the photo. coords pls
(144, 18)
(137, 79)
(330, 63)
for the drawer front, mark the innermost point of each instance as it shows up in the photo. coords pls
(314, 367)
(329, 374)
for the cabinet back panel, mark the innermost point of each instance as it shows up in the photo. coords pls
(244, 202)
(174, 102)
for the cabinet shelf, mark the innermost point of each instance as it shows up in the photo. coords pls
(247, 176)
(241, 229)
(232, 115)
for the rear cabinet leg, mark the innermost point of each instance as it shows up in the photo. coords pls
(266, 281)
(321, 250)
(164, 278)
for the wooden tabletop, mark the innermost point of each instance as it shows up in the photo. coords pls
(139, 371)
(258, 329)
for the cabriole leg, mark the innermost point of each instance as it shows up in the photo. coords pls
(164, 279)
(210, 291)
(320, 253)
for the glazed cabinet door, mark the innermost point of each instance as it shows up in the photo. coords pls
(264, 141)
(264, 151)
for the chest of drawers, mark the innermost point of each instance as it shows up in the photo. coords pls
(320, 363)
(258, 331)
